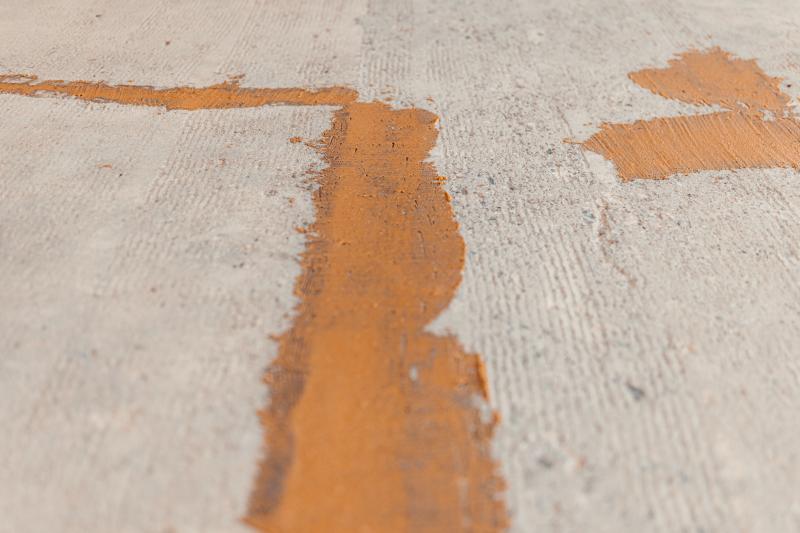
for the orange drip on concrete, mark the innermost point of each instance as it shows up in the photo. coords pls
(373, 424)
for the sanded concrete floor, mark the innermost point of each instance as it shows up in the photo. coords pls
(642, 339)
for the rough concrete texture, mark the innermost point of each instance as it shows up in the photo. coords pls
(642, 339)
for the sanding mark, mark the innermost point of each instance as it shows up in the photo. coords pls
(373, 424)
(756, 130)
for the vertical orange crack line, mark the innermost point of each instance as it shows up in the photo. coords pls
(373, 423)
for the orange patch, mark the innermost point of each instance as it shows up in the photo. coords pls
(715, 77)
(757, 130)
(373, 425)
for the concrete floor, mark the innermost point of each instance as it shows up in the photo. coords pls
(642, 339)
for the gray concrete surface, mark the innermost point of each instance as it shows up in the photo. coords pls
(642, 339)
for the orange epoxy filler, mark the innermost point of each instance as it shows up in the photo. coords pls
(757, 130)
(227, 95)
(373, 424)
